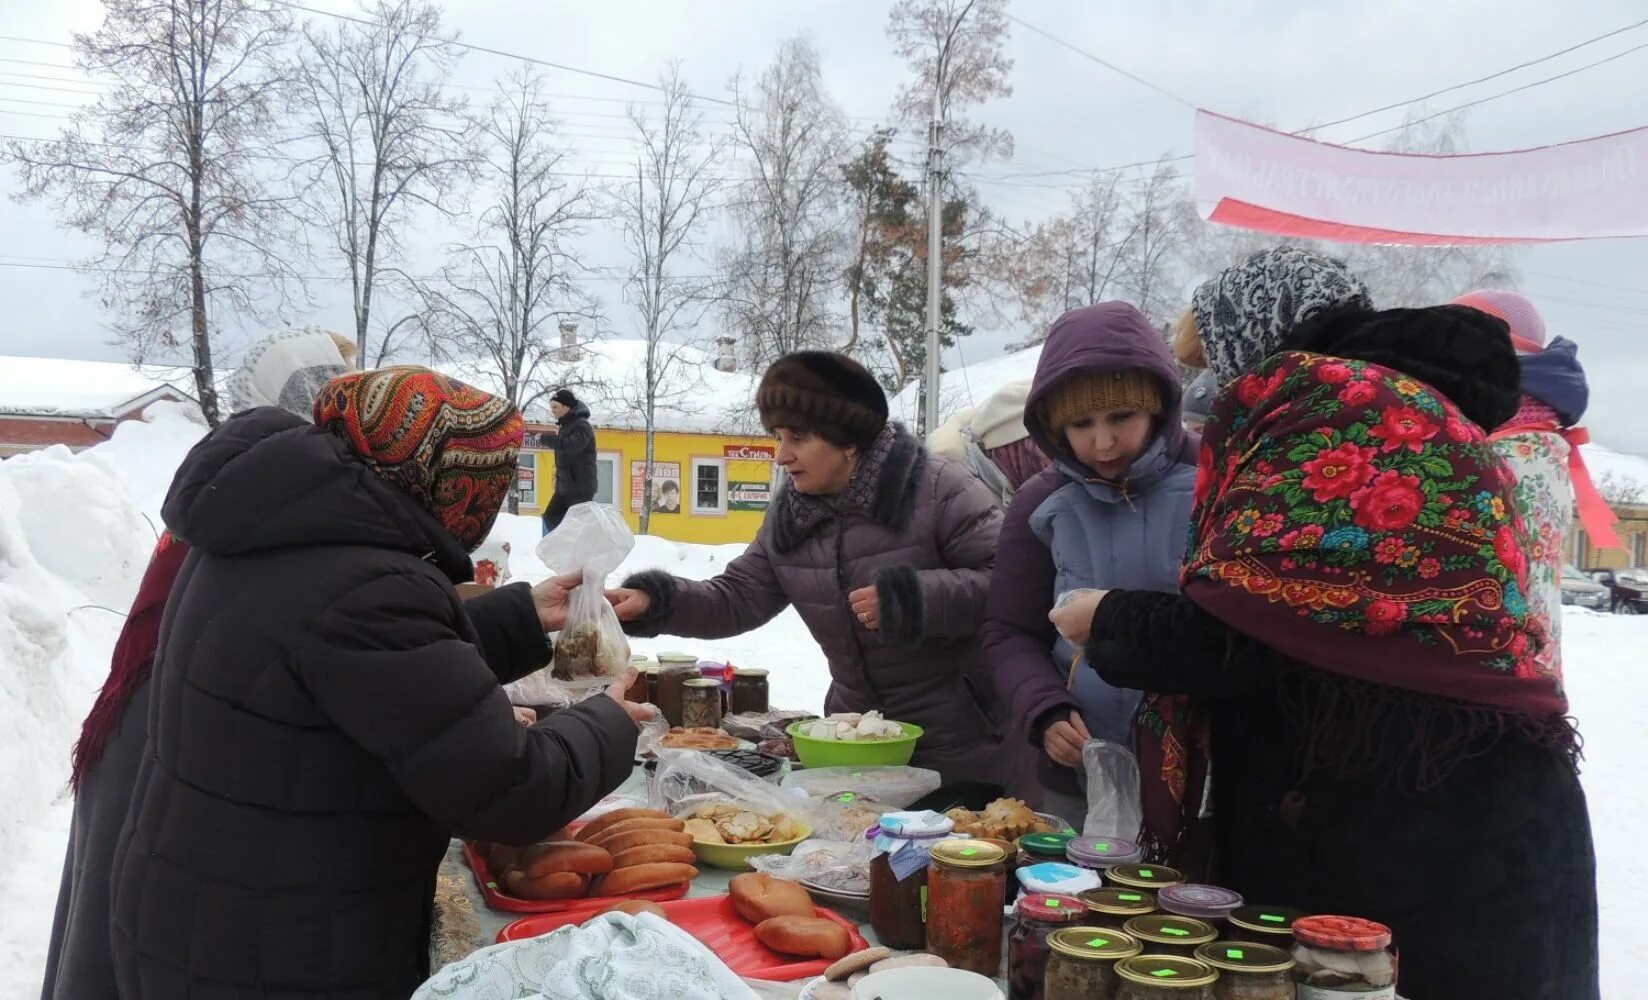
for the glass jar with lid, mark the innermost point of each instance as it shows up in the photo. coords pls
(1208, 903)
(674, 670)
(1272, 925)
(964, 914)
(638, 691)
(1036, 916)
(1035, 848)
(1011, 851)
(701, 703)
(1167, 934)
(651, 674)
(1249, 971)
(901, 848)
(1141, 876)
(1164, 977)
(1327, 948)
(1112, 907)
(749, 690)
(1082, 963)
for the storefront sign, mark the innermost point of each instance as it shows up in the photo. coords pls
(748, 452)
(666, 487)
(749, 496)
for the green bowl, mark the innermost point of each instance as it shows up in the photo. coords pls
(736, 857)
(855, 753)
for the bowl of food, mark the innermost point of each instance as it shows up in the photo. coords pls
(853, 740)
(727, 835)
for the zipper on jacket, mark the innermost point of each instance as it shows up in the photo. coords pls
(853, 624)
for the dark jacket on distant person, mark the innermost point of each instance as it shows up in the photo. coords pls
(574, 449)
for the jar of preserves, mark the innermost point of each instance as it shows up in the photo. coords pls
(1208, 903)
(1010, 850)
(1139, 876)
(651, 674)
(1082, 965)
(672, 679)
(701, 703)
(1166, 934)
(1328, 948)
(1249, 971)
(1113, 908)
(637, 691)
(1035, 917)
(1164, 977)
(749, 690)
(902, 850)
(1035, 848)
(1272, 925)
(1099, 853)
(964, 917)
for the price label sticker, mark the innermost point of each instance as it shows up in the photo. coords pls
(1055, 904)
(1146, 873)
(848, 796)
(1175, 931)
(1165, 973)
(1273, 918)
(1235, 953)
(1101, 846)
(968, 852)
(1098, 942)
(1129, 897)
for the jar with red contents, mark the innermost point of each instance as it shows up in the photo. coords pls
(1343, 958)
(1036, 916)
(964, 913)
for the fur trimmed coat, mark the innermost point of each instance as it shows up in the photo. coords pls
(922, 530)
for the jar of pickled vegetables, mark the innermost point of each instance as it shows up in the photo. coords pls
(1036, 916)
(1082, 963)
(1164, 977)
(1152, 877)
(1207, 903)
(1249, 971)
(964, 913)
(902, 851)
(672, 679)
(1343, 958)
(1272, 925)
(1167, 934)
(1113, 908)
(1035, 848)
(701, 703)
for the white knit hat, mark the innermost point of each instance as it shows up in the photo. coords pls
(1000, 419)
(287, 369)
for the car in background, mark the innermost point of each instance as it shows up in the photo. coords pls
(1627, 588)
(1583, 592)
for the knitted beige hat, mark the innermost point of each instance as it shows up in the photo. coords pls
(1097, 392)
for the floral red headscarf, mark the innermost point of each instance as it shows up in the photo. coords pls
(1350, 518)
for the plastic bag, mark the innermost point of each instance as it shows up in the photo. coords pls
(841, 865)
(592, 539)
(847, 815)
(1114, 808)
(896, 786)
(687, 778)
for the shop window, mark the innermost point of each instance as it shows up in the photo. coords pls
(526, 478)
(1639, 549)
(606, 476)
(709, 486)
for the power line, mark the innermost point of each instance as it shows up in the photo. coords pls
(34, 41)
(1021, 22)
(1594, 284)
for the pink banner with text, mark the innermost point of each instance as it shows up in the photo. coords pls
(1258, 178)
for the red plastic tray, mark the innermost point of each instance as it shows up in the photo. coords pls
(712, 920)
(501, 900)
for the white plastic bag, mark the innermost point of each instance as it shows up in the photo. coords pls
(687, 778)
(592, 539)
(1114, 808)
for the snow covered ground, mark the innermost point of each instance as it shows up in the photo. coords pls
(75, 534)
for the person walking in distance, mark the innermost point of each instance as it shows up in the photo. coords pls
(573, 444)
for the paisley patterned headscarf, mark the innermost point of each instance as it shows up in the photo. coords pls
(449, 446)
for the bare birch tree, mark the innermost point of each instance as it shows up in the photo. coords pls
(664, 210)
(789, 208)
(386, 139)
(955, 49)
(1150, 274)
(168, 170)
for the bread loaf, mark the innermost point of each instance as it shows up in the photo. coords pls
(805, 936)
(595, 827)
(622, 827)
(758, 897)
(642, 838)
(564, 856)
(654, 854)
(640, 878)
(560, 885)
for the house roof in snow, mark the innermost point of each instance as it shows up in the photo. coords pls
(969, 386)
(59, 387)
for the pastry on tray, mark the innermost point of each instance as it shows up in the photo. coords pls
(699, 738)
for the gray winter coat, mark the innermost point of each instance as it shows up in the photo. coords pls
(922, 530)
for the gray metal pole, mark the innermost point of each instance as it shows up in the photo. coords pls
(935, 273)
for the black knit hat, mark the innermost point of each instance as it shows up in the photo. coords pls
(824, 392)
(564, 397)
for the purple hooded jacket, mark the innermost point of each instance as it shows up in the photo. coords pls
(1066, 529)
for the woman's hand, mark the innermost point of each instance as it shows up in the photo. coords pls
(866, 607)
(637, 712)
(525, 716)
(550, 598)
(630, 604)
(1075, 619)
(1063, 740)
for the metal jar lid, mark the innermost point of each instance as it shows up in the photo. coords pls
(1167, 972)
(1272, 921)
(749, 672)
(1241, 956)
(1094, 944)
(1342, 933)
(702, 682)
(1165, 928)
(1118, 902)
(968, 854)
(1144, 876)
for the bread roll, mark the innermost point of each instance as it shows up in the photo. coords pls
(641, 838)
(654, 854)
(560, 885)
(564, 856)
(805, 936)
(640, 878)
(599, 824)
(758, 896)
(622, 827)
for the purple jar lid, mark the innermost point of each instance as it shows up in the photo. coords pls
(1102, 852)
(1204, 902)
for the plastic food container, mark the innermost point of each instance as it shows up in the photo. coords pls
(964, 914)
(1164, 977)
(1137, 876)
(1035, 848)
(1166, 934)
(1249, 971)
(1204, 902)
(1036, 917)
(1100, 853)
(1082, 965)
(1272, 925)
(1113, 907)
(896, 786)
(1057, 877)
(855, 753)
(1327, 947)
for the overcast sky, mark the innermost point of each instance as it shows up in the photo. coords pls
(1284, 62)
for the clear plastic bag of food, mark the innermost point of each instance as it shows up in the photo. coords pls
(841, 865)
(846, 815)
(688, 780)
(1114, 808)
(593, 540)
(896, 786)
